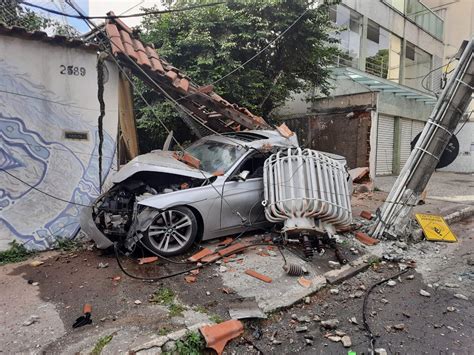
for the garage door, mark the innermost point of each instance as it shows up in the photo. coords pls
(384, 161)
(405, 140)
(417, 127)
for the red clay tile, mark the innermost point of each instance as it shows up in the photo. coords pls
(366, 215)
(126, 42)
(190, 279)
(365, 239)
(259, 276)
(231, 249)
(154, 59)
(218, 335)
(172, 75)
(148, 260)
(200, 254)
(210, 258)
(225, 242)
(304, 282)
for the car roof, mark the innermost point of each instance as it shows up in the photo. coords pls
(254, 138)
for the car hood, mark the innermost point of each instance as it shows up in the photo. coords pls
(158, 161)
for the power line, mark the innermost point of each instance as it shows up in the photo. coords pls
(41, 191)
(91, 24)
(241, 66)
(153, 12)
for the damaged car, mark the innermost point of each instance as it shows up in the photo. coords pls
(169, 200)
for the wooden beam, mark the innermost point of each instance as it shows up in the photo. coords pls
(127, 118)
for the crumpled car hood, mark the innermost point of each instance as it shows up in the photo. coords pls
(158, 161)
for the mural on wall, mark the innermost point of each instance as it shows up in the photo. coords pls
(35, 156)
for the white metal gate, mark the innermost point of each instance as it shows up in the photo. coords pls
(384, 160)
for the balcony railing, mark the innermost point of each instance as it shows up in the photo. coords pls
(425, 18)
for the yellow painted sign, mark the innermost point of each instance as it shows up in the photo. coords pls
(435, 228)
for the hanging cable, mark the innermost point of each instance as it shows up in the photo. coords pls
(140, 14)
(92, 25)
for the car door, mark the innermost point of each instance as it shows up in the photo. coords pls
(241, 200)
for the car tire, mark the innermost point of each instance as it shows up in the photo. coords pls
(172, 232)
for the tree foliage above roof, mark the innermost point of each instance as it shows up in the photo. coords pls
(13, 14)
(208, 43)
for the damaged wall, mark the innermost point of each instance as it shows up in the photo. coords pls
(338, 125)
(49, 139)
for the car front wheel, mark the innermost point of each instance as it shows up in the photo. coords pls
(172, 232)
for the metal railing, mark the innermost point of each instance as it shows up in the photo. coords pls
(425, 18)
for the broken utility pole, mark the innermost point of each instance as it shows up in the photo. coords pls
(393, 217)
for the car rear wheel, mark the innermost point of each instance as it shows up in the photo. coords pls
(172, 232)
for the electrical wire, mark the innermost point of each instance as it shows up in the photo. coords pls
(140, 14)
(91, 24)
(43, 192)
(181, 272)
(364, 307)
(241, 66)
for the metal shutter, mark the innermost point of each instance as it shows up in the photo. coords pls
(405, 140)
(384, 161)
(416, 127)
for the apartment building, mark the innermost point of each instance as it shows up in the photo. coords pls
(384, 84)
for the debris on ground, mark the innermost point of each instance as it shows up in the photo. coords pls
(102, 265)
(85, 318)
(425, 293)
(147, 260)
(330, 323)
(33, 319)
(304, 282)
(35, 263)
(259, 276)
(201, 254)
(217, 336)
(245, 308)
(365, 239)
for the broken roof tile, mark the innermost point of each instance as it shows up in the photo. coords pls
(127, 43)
(218, 335)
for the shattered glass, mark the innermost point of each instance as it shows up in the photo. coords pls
(215, 156)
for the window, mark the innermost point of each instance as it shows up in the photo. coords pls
(215, 156)
(417, 66)
(396, 4)
(349, 26)
(253, 164)
(373, 32)
(410, 51)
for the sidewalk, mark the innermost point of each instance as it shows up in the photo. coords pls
(442, 186)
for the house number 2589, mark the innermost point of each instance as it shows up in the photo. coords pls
(72, 70)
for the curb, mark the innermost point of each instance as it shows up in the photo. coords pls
(165, 342)
(350, 270)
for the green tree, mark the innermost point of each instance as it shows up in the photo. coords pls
(13, 14)
(208, 43)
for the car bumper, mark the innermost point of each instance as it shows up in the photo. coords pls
(88, 226)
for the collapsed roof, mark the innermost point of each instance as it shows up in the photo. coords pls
(202, 102)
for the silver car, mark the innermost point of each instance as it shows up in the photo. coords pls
(169, 200)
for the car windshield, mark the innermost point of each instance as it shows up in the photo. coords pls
(215, 156)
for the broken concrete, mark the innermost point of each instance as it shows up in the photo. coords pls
(282, 292)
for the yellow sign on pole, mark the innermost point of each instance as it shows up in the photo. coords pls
(435, 228)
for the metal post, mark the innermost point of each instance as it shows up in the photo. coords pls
(393, 217)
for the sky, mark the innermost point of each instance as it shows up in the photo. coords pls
(95, 8)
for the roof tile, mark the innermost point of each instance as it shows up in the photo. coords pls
(126, 42)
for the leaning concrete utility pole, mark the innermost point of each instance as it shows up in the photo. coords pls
(393, 217)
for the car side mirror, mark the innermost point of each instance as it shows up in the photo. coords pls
(242, 175)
